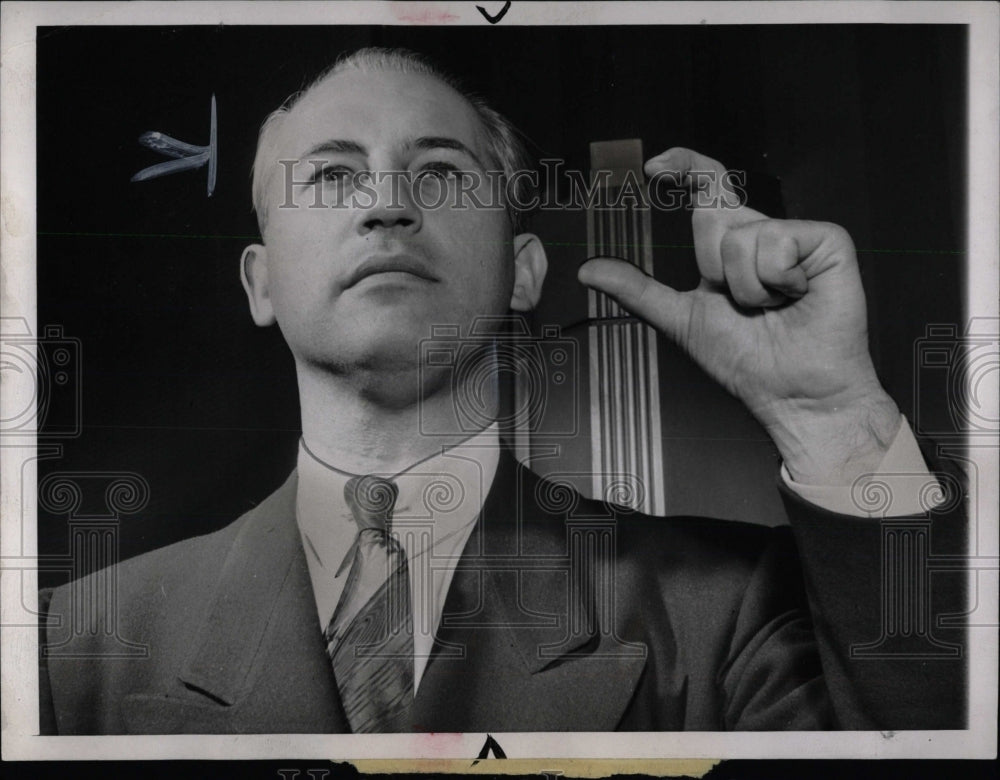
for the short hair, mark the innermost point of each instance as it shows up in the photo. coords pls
(504, 146)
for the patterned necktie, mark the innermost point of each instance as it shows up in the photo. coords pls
(370, 637)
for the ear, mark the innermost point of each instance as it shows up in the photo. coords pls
(253, 276)
(530, 266)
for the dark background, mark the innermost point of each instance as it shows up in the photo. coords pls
(859, 125)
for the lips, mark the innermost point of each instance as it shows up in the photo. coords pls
(393, 264)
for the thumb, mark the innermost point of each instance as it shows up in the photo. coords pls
(661, 306)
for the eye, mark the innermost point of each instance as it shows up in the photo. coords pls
(332, 174)
(439, 170)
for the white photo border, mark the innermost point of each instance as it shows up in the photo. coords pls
(18, 257)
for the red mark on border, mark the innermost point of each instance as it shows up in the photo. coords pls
(410, 12)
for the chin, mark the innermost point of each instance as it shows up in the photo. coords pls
(392, 352)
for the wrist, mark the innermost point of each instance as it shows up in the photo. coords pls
(835, 442)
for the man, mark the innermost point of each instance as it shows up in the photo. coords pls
(398, 582)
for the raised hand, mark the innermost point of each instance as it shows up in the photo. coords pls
(778, 319)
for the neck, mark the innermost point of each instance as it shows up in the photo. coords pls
(360, 431)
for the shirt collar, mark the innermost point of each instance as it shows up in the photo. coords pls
(438, 496)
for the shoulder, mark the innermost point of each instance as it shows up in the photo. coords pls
(696, 551)
(696, 575)
(637, 533)
(693, 548)
(701, 564)
(187, 569)
(181, 572)
(698, 539)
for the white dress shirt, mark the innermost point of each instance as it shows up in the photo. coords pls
(440, 500)
(438, 504)
(903, 485)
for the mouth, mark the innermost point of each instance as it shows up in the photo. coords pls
(398, 264)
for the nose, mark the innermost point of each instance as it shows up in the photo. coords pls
(392, 205)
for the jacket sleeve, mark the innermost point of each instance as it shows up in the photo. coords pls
(886, 618)
(772, 678)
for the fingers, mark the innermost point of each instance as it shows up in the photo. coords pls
(742, 265)
(769, 262)
(760, 264)
(777, 260)
(717, 201)
(661, 306)
(708, 178)
(761, 261)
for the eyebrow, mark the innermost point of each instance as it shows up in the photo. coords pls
(444, 142)
(425, 142)
(337, 146)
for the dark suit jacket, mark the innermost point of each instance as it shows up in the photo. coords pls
(564, 614)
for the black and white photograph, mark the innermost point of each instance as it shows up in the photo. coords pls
(443, 380)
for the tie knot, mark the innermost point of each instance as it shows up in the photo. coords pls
(371, 500)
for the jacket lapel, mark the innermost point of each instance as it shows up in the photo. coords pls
(258, 660)
(522, 646)
(524, 643)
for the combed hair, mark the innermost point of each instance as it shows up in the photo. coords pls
(505, 148)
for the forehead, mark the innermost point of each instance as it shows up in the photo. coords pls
(380, 109)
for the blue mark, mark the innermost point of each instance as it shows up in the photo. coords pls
(187, 157)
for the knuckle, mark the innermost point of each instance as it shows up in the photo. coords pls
(747, 297)
(738, 245)
(772, 300)
(781, 248)
(773, 231)
(776, 237)
(838, 234)
(732, 245)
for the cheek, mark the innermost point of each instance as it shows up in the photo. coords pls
(301, 246)
(295, 284)
(482, 256)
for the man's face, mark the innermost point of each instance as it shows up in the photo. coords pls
(355, 286)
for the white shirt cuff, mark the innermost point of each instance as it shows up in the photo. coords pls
(902, 485)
